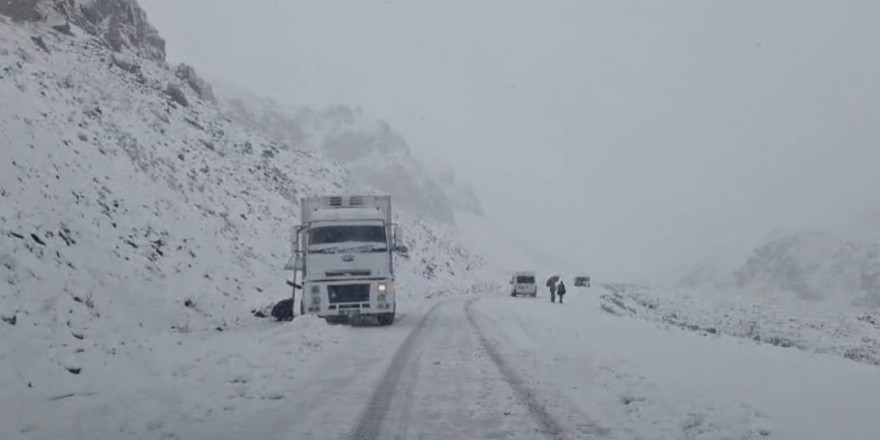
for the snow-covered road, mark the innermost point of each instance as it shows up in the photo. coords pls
(624, 378)
(511, 368)
(500, 367)
(467, 367)
(436, 374)
(449, 380)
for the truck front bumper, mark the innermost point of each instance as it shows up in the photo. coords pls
(348, 298)
(355, 309)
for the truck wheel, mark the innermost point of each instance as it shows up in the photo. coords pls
(385, 318)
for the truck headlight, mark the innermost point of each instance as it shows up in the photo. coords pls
(382, 287)
(381, 297)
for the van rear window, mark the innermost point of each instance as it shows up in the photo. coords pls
(525, 280)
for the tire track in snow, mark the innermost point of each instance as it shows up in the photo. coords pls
(369, 426)
(396, 408)
(549, 424)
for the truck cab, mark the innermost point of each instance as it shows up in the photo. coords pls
(523, 283)
(343, 250)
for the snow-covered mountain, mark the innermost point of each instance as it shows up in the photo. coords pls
(806, 264)
(815, 265)
(368, 148)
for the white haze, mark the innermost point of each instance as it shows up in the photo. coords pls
(628, 137)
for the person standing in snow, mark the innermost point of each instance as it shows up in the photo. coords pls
(560, 289)
(553, 292)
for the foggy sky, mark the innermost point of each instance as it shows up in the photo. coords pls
(626, 136)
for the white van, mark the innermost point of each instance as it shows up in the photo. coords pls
(523, 283)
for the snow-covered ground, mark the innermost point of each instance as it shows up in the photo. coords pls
(634, 380)
(255, 381)
(785, 321)
(472, 366)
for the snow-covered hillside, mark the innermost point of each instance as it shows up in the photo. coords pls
(134, 209)
(116, 152)
(787, 322)
(808, 265)
(815, 265)
(370, 149)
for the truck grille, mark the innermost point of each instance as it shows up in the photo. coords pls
(352, 273)
(348, 293)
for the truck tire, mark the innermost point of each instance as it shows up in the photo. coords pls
(385, 319)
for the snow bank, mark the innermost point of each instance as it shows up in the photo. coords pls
(844, 331)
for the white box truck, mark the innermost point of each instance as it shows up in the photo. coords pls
(344, 251)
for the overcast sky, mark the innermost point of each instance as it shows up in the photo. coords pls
(630, 136)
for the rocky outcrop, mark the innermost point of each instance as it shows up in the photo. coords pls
(122, 24)
(203, 89)
(20, 10)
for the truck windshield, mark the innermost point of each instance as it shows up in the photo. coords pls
(347, 238)
(522, 279)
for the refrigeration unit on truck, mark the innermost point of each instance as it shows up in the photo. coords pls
(344, 253)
